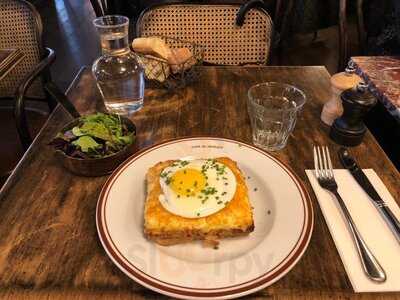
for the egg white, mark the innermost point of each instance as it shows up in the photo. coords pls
(219, 191)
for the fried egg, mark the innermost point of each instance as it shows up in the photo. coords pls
(196, 188)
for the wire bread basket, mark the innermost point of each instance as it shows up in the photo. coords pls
(160, 73)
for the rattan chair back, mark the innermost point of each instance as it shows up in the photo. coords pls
(21, 28)
(214, 27)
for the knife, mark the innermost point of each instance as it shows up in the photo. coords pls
(350, 164)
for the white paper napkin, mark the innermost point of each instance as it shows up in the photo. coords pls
(373, 228)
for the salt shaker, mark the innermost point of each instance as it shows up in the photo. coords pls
(340, 82)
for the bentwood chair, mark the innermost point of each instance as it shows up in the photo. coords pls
(343, 32)
(127, 8)
(101, 7)
(232, 34)
(21, 28)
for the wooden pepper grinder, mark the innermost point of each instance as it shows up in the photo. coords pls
(340, 82)
(349, 129)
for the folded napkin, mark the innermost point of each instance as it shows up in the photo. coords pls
(373, 229)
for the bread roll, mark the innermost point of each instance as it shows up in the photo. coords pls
(153, 46)
(181, 59)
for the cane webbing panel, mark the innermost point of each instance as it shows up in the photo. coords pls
(18, 30)
(213, 26)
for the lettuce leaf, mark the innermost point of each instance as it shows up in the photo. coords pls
(86, 143)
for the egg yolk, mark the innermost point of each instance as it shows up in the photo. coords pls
(188, 182)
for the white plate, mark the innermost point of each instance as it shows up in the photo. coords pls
(283, 218)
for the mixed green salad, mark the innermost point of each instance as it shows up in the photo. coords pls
(95, 136)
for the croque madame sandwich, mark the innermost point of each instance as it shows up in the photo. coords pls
(203, 199)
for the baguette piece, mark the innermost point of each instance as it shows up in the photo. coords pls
(181, 59)
(165, 228)
(152, 45)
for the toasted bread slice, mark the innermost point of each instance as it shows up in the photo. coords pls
(165, 228)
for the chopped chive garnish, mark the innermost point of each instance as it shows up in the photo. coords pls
(209, 191)
(184, 163)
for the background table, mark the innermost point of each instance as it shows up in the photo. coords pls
(372, 70)
(384, 118)
(49, 245)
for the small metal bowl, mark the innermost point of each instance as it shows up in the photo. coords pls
(93, 167)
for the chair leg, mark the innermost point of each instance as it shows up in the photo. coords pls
(315, 36)
(362, 39)
(58, 96)
(51, 102)
(284, 26)
(21, 122)
(342, 36)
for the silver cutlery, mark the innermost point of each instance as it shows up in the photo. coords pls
(350, 164)
(326, 179)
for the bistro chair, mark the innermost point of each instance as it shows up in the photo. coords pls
(100, 7)
(232, 34)
(21, 28)
(343, 32)
(109, 7)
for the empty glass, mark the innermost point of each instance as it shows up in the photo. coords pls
(118, 74)
(273, 108)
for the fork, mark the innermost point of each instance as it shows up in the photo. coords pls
(326, 179)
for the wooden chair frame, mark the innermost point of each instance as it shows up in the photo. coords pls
(53, 94)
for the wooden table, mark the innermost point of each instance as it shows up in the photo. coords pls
(48, 242)
(9, 58)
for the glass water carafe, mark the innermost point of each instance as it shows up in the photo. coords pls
(118, 74)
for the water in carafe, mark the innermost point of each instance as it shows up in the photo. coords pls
(118, 74)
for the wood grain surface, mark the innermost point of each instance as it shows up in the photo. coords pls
(48, 241)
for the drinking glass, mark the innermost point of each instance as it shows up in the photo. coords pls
(273, 108)
(118, 74)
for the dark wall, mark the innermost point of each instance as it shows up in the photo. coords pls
(382, 24)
